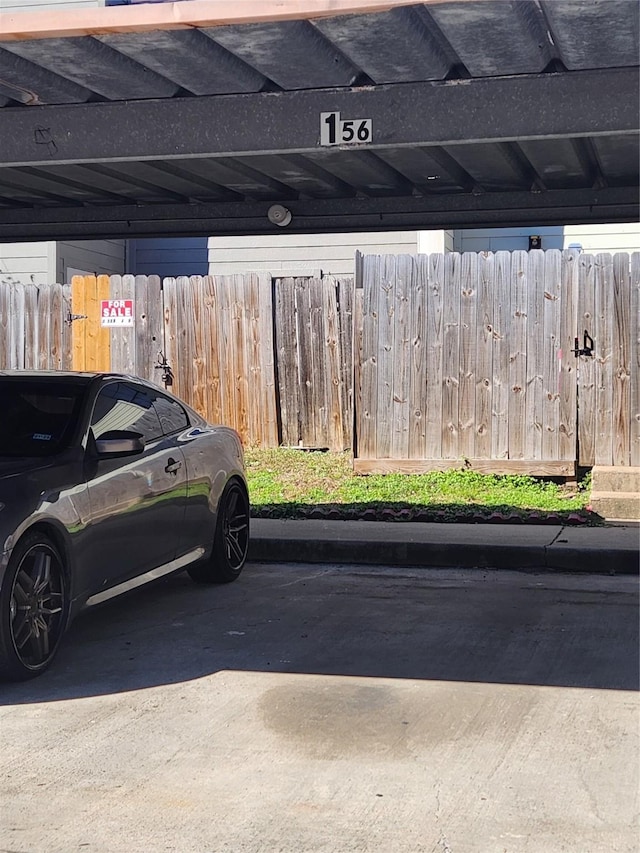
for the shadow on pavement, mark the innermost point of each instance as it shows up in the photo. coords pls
(450, 625)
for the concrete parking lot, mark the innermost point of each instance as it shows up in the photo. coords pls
(334, 708)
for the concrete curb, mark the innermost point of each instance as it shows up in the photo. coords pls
(546, 548)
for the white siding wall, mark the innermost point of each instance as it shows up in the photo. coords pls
(102, 257)
(435, 241)
(28, 262)
(604, 238)
(303, 254)
(592, 238)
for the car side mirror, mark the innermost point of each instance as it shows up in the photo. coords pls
(119, 442)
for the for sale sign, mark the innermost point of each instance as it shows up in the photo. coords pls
(116, 312)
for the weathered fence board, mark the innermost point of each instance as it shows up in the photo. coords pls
(587, 400)
(502, 311)
(367, 365)
(149, 328)
(314, 345)
(484, 355)
(518, 426)
(57, 350)
(5, 324)
(210, 342)
(171, 331)
(16, 354)
(634, 348)
(345, 308)
(417, 354)
(435, 271)
(31, 330)
(450, 357)
(34, 328)
(535, 355)
(123, 338)
(287, 358)
(567, 438)
(333, 369)
(467, 339)
(550, 345)
(621, 447)
(400, 392)
(384, 357)
(604, 359)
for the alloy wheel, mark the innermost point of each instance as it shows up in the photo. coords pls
(235, 527)
(37, 606)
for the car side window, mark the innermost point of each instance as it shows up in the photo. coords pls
(123, 406)
(172, 416)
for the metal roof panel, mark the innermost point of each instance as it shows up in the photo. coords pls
(593, 33)
(390, 47)
(291, 53)
(495, 37)
(29, 83)
(95, 66)
(619, 158)
(190, 59)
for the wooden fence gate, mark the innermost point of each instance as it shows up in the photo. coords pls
(468, 360)
(272, 358)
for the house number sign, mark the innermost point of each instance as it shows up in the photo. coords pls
(337, 131)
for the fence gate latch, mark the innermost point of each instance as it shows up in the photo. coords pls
(165, 367)
(587, 345)
(71, 317)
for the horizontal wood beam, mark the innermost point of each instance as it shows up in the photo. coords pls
(461, 210)
(486, 110)
(533, 467)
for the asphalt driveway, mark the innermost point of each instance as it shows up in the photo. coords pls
(329, 708)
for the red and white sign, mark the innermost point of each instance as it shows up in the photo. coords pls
(116, 312)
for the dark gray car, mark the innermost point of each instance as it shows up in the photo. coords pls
(106, 482)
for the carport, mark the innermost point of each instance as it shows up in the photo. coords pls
(203, 117)
(198, 118)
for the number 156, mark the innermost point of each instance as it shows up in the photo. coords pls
(333, 131)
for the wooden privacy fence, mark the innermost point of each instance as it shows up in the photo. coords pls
(459, 360)
(469, 359)
(35, 332)
(272, 358)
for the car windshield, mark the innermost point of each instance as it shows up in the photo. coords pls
(37, 417)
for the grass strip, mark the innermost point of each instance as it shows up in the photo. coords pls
(289, 483)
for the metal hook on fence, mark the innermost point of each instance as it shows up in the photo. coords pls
(165, 367)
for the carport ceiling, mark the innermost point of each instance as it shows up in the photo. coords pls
(196, 117)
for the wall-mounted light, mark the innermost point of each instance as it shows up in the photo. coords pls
(535, 241)
(279, 215)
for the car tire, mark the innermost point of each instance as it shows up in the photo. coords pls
(231, 542)
(34, 608)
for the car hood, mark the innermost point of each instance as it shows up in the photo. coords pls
(11, 466)
(32, 486)
(25, 481)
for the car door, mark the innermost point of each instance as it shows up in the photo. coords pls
(137, 503)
